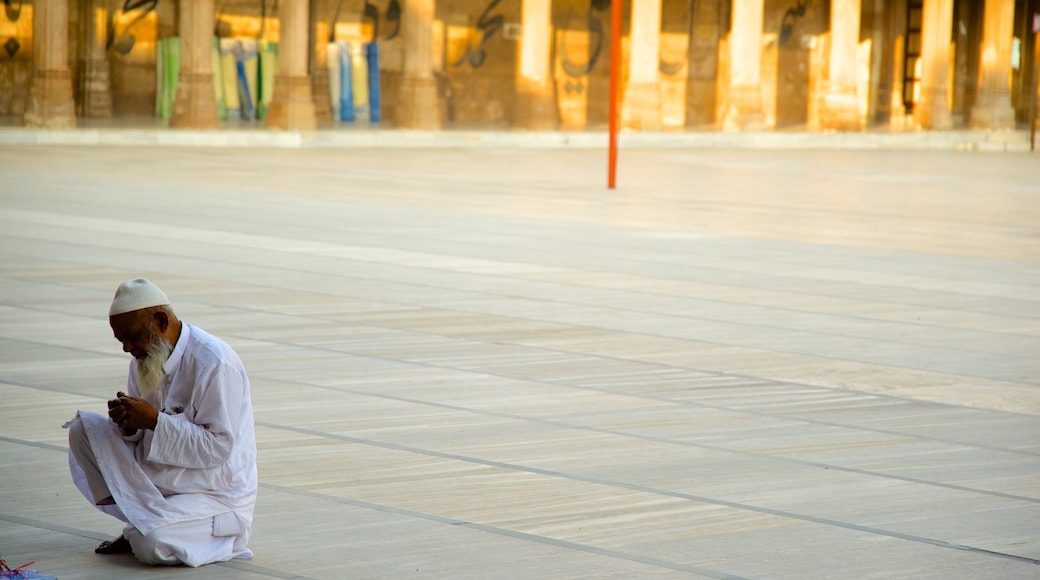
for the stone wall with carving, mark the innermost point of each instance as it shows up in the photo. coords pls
(792, 30)
(476, 44)
(15, 57)
(479, 60)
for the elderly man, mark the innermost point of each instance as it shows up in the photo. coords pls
(176, 456)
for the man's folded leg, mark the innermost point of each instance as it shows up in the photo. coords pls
(191, 543)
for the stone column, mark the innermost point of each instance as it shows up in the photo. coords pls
(992, 108)
(50, 103)
(319, 38)
(535, 105)
(743, 109)
(840, 108)
(195, 105)
(896, 23)
(419, 102)
(292, 105)
(702, 90)
(641, 106)
(933, 110)
(94, 86)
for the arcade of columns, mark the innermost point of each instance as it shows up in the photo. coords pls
(51, 103)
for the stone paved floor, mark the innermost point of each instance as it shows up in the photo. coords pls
(481, 363)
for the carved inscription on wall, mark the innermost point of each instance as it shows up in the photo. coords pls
(122, 22)
(487, 25)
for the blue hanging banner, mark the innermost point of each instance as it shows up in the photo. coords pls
(245, 56)
(359, 80)
(372, 52)
(229, 77)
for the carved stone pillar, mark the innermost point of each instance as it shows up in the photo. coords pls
(419, 101)
(94, 94)
(840, 108)
(933, 110)
(896, 23)
(641, 107)
(992, 108)
(319, 65)
(702, 90)
(195, 106)
(535, 106)
(743, 108)
(292, 105)
(50, 103)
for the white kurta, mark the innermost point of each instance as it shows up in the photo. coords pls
(198, 465)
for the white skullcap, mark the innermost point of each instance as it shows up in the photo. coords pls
(135, 295)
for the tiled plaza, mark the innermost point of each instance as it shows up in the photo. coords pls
(481, 363)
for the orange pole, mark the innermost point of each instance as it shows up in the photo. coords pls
(615, 82)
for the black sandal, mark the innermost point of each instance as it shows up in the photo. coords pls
(119, 545)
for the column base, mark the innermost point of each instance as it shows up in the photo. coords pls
(641, 107)
(993, 111)
(419, 105)
(535, 110)
(50, 104)
(292, 105)
(897, 111)
(320, 92)
(195, 106)
(95, 99)
(839, 110)
(931, 112)
(572, 102)
(743, 110)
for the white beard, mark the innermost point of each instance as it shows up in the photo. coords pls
(150, 370)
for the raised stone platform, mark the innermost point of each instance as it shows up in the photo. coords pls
(116, 134)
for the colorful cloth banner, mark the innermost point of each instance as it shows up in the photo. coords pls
(229, 78)
(268, 69)
(359, 80)
(168, 67)
(346, 88)
(247, 66)
(353, 69)
(218, 80)
(332, 64)
(374, 100)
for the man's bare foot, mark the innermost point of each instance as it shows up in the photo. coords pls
(119, 545)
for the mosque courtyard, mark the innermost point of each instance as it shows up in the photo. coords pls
(481, 363)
